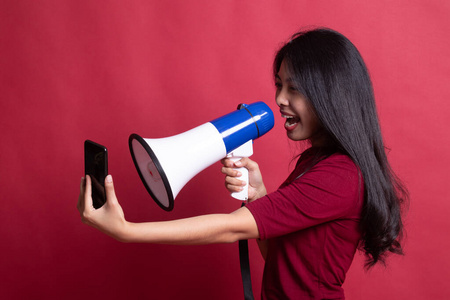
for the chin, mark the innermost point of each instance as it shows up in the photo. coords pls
(296, 137)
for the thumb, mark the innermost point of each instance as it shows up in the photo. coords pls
(109, 189)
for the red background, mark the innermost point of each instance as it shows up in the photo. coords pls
(101, 70)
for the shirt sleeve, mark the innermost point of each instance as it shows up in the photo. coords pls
(330, 190)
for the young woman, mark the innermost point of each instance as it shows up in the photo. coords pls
(341, 196)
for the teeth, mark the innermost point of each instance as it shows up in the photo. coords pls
(290, 120)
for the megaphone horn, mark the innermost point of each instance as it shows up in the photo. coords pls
(165, 165)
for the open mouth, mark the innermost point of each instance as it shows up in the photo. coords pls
(291, 120)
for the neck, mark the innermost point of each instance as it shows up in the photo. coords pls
(320, 139)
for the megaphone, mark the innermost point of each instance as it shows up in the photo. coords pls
(165, 165)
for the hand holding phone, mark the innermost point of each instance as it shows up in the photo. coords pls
(96, 166)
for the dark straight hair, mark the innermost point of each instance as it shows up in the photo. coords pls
(328, 69)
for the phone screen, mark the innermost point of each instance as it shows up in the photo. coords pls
(96, 166)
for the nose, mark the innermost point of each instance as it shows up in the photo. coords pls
(281, 98)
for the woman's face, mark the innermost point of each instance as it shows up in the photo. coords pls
(301, 120)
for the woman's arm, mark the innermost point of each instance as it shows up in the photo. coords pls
(206, 229)
(218, 228)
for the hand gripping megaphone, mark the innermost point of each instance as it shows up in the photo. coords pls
(165, 165)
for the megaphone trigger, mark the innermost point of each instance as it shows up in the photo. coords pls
(246, 150)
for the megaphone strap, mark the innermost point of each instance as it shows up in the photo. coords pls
(245, 268)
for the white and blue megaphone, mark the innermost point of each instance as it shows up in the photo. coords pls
(165, 165)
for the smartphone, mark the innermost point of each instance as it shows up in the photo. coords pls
(96, 166)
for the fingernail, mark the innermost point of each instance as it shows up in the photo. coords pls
(109, 179)
(238, 163)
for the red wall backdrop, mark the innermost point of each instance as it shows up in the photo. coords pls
(72, 70)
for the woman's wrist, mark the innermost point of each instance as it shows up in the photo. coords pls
(124, 233)
(259, 194)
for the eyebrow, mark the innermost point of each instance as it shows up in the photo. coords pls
(287, 80)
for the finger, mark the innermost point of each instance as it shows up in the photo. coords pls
(110, 192)
(234, 181)
(80, 203)
(233, 188)
(231, 172)
(227, 162)
(233, 184)
(243, 162)
(247, 163)
(88, 194)
(82, 184)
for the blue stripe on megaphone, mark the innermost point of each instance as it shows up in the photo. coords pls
(242, 125)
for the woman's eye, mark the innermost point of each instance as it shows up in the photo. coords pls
(278, 85)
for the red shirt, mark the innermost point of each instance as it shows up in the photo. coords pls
(312, 227)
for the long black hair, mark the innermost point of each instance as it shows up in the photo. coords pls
(328, 69)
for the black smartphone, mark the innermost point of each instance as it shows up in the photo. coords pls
(96, 166)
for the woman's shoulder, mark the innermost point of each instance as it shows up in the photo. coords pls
(323, 157)
(327, 162)
(339, 163)
(322, 166)
(340, 158)
(337, 174)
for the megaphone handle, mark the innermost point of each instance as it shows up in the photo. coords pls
(242, 195)
(245, 150)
